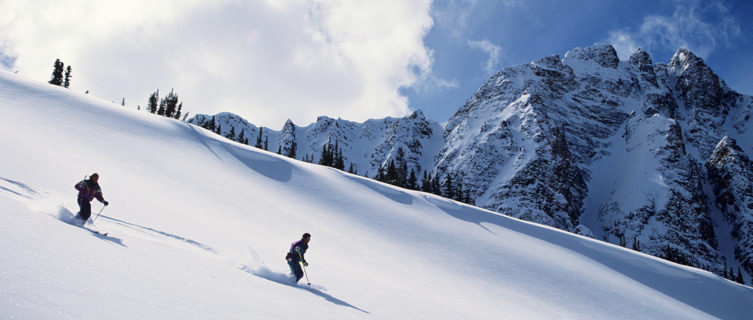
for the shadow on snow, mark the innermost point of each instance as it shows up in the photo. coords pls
(288, 280)
(68, 217)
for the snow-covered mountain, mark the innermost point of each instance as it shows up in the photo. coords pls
(366, 145)
(198, 227)
(616, 150)
(603, 147)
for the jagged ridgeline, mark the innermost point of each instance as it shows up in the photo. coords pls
(649, 155)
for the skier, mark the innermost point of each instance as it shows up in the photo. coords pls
(88, 189)
(296, 256)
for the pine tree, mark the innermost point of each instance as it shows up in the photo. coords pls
(449, 189)
(67, 81)
(324, 158)
(425, 183)
(258, 139)
(153, 99)
(57, 73)
(122, 102)
(401, 168)
(242, 137)
(231, 134)
(739, 277)
(180, 109)
(266, 143)
(411, 182)
(338, 162)
(169, 104)
(392, 175)
(292, 151)
(161, 109)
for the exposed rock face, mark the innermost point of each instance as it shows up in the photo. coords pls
(616, 150)
(288, 142)
(730, 173)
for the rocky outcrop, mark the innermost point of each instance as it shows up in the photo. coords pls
(730, 172)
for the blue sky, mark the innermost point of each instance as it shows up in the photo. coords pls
(273, 60)
(523, 31)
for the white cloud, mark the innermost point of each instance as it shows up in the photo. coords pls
(494, 51)
(430, 83)
(700, 26)
(267, 61)
(453, 14)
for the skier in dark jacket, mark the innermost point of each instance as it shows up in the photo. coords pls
(296, 256)
(88, 189)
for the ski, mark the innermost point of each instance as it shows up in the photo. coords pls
(104, 234)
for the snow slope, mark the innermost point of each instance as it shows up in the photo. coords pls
(199, 226)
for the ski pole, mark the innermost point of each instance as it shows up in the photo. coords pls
(100, 211)
(308, 283)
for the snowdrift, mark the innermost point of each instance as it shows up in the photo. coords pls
(198, 227)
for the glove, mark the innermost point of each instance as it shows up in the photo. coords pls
(106, 203)
(305, 264)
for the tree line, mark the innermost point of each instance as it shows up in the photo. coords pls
(396, 172)
(61, 76)
(169, 106)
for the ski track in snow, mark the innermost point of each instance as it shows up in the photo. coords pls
(288, 280)
(31, 196)
(257, 268)
(145, 229)
(16, 188)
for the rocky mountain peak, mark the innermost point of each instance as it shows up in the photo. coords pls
(603, 54)
(640, 57)
(552, 62)
(699, 88)
(288, 126)
(418, 114)
(684, 59)
(642, 61)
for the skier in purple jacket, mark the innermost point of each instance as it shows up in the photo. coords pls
(88, 189)
(295, 256)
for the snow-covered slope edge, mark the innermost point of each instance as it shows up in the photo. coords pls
(198, 228)
(366, 146)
